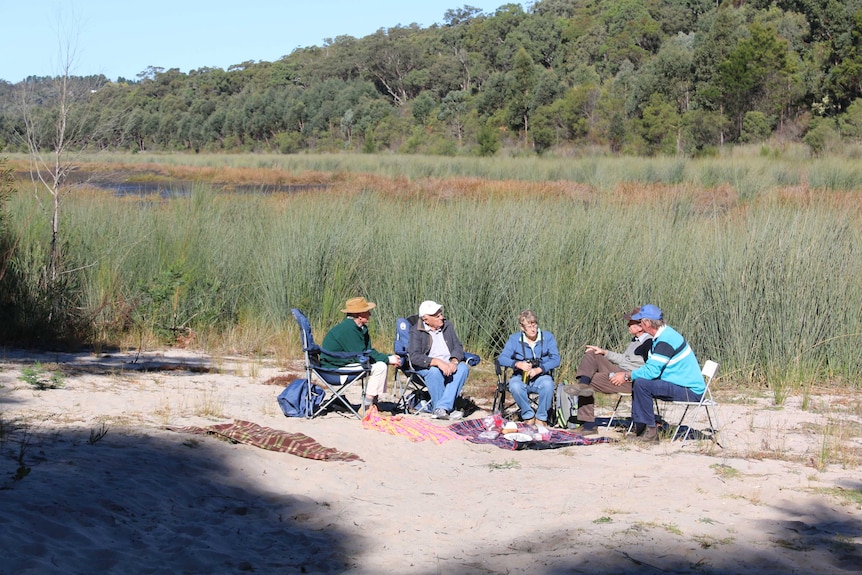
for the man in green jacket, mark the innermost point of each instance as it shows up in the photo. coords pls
(351, 336)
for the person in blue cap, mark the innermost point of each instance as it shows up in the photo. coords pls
(671, 372)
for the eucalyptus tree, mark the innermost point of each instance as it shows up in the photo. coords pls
(632, 33)
(390, 58)
(453, 110)
(487, 36)
(455, 59)
(718, 33)
(759, 74)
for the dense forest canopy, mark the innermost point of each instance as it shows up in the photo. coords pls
(630, 76)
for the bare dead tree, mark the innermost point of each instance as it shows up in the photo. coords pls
(55, 121)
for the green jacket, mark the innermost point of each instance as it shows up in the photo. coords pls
(348, 337)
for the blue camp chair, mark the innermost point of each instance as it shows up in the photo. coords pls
(409, 385)
(337, 381)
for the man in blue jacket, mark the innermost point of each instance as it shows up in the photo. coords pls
(532, 354)
(671, 372)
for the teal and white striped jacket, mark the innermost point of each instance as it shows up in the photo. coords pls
(672, 359)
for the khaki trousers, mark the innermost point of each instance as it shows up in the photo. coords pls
(597, 367)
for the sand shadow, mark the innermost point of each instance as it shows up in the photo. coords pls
(153, 504)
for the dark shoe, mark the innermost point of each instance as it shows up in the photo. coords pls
(593, 430)
(650, 435)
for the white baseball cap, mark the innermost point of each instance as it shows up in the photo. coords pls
(429, 307)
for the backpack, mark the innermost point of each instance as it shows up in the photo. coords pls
(294, 399)
(564, 408)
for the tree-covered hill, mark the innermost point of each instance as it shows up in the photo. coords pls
(632, 76)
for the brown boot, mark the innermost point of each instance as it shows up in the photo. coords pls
(531, 421)
(650, 435)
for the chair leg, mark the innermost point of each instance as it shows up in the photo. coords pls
(678, 425)
(614, 414)
(716, 427)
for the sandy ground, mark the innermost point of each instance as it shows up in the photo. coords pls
(143, 499)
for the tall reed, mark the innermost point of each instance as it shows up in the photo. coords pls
(765, 287)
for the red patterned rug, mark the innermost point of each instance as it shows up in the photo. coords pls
(272, 439)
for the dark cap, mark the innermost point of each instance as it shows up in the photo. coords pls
(628, 316)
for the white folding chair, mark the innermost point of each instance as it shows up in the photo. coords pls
(617, 407)
(706, 403)
(631, 421)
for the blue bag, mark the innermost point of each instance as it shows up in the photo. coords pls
(294, 399)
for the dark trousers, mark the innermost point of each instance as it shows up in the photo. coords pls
(647, 390)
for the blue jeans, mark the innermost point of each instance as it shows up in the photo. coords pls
(543, 385)
(444, 390)
(644, 391)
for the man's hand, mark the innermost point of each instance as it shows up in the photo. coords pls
(596, 349)
(447, 367)
(619, 378)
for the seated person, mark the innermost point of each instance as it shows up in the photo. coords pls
(598, 364)
(671, 373)
(531, 354)
(436, 354)
(351, 336)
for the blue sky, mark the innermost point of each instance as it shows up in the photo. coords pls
(120, 38)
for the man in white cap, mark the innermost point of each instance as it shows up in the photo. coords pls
(351, 336)
(671, 372)
(436, 353)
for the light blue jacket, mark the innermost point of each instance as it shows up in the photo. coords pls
(672, 359)
(516, 349)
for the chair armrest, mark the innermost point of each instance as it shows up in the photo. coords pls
(472, 359)
(361, 357)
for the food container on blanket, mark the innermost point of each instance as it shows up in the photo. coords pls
(510, 427)
(519, 437)
(493, 422)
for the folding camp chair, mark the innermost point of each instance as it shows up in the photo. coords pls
(509, 410)
(409, 385)
(336, 380)
(706, 403)
(408, 381)
(617, 408)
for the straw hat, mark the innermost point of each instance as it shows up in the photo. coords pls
(358, 305)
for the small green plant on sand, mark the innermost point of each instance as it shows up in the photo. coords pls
(41, 378)
(725, 471)
(511, 464)
(603, 519)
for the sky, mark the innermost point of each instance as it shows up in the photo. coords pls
(121, 38)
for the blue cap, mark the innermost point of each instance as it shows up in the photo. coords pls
(648, 311)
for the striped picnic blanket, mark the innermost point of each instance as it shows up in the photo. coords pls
(471, 428)
(414, 429)
(272, 439)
